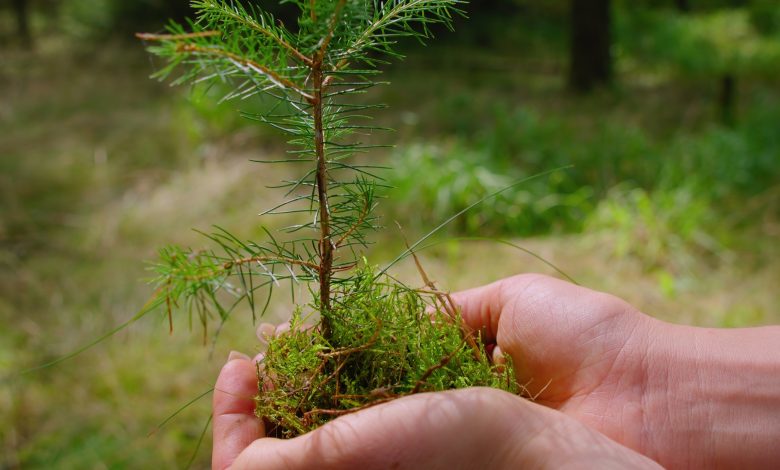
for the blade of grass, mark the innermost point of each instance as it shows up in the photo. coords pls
(200, 442)
(179, 410)
(504, 242)
(151, 305)
(449, 220)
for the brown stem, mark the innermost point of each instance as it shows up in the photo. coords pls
(448, 306)
(319, 411)
(334, 21)
(443, 363)
(326, 244)
(348, 351)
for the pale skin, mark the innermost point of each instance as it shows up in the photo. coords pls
(616, 388)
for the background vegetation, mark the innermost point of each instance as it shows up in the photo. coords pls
(672, 199)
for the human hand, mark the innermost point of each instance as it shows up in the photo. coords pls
(684, 396)
(470, 428)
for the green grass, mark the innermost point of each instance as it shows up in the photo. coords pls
(99, 167)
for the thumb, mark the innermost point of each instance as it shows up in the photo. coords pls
(429, 430)
(235, 425)
(462, 429)
(483, 308)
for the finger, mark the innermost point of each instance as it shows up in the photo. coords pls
(529, 295)
(421, 431)
(481, 308)
(467, 428)
(235, 424)
(265, 332)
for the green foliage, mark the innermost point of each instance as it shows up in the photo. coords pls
(703, 44)
(765, 17)
(457, 176)
(728, 164)
(614, 168)
(101, 18)
(384, 345)
(514, 144)
(665, 228)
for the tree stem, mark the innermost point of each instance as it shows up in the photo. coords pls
(325, 245)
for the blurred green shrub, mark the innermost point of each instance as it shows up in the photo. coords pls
(433, 182)
(737, 40)
(657, 196)
(662, 228)
(765, 16)
(728, 164)
(101, 18)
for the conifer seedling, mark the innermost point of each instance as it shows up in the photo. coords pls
(373, 339)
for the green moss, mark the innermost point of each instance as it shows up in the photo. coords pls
(387, 341)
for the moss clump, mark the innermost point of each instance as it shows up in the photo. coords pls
(385, 343)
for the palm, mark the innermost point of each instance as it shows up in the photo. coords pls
(577, 350)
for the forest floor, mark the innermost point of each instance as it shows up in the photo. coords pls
(100, 167)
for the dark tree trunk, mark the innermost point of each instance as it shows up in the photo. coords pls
(683, 5)
(22, 22)
(590, 57)
(728, 99)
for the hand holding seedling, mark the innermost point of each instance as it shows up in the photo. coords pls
(684, 396)
(468, 428)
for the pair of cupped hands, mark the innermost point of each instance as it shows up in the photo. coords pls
(614, 388)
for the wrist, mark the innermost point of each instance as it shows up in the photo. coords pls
(712, 396)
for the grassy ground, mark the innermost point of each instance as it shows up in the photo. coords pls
(99, 167)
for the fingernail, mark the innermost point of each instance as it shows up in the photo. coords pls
(259, 358)
(498, 355)
(237, 355)
(283, 328)
(265, 332)
(498, 359)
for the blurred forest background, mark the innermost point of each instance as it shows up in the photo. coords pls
(668, 112)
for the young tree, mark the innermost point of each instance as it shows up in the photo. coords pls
(374, 341)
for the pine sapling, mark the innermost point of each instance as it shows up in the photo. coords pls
(375, 339)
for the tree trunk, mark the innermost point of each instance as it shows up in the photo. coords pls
(590, 57)
(728, 99)
(22, 22)
(683, 5)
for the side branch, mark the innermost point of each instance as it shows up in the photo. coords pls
(333, 22)
(267, 259)
(228, 265)
(363, 347)
(363, 214)
(176, 37)
(272, 76)
(268, 33)
(443, 363)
